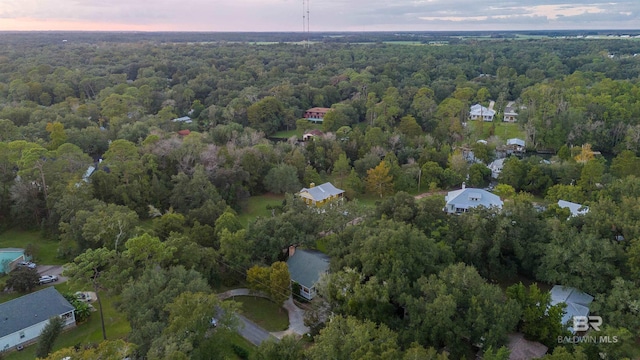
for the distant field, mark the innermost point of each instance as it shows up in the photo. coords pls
(46, 251)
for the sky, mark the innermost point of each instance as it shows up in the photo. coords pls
(324, 15)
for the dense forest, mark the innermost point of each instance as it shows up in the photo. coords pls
(158, 219)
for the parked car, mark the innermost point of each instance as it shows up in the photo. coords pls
(45, 279)
(28, 264)
(84, 296)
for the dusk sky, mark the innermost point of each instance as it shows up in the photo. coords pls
(325, 15)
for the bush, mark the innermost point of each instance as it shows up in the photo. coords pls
(240, 351)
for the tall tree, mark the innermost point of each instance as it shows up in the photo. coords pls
(48, 336)
(379, 181)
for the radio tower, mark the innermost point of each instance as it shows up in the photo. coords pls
(305, 21)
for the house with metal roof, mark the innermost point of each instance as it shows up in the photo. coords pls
(577, 303)
(305, 268)
(22, 319)
(184, 119)
(9, 259)
(479, 112)
(460, 201)
(321, 194)
(574, 208)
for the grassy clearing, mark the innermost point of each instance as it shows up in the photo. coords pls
(257, 206)
(501, 129)
(297, 132)
(264, 312)
(45, 250)
(237, 339)
(89, 332)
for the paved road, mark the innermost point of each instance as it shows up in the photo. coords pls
(252, 332)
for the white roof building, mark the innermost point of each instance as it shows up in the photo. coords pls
(479, 112)
(496, 167)
(460, 201)
(184, 119)
(575, 209)
(510, 114)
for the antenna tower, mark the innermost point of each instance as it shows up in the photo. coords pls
(305, 21)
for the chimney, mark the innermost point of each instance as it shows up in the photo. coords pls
(464, 186)
(292, 248)
(312, 185)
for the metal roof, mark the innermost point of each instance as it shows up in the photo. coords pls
(516, 141)
(322, 192)
(31, 309)
(577, 302)
(480, 110)
(575, 209)
(306, 266)
(470, 198)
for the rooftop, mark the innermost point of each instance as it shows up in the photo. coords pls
(306, 266)
(574, 208)
(470, 198)
(322, 192)
(31, 309)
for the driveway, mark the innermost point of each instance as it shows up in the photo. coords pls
(52, 270)
(256, 334)
(252, 332)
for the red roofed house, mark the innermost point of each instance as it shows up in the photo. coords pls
(184, 132)
(316, 114)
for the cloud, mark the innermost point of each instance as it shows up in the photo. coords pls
(325, 15)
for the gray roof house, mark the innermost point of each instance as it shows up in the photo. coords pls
(184, 119)
(22, 319)
(319, 195)
(575, 209)
(577, 302)
(496, 167)
(305, 268)
(510, 113)
(462, 200)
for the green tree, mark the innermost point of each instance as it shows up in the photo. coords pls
(379, 181)
(281, 179)
(279, 282)
(351, 339)
(409, 126)
(90, 267)
(258, 278)
(540, 321)
(288, 348)
(267, 115)
(23, 279)
(48, 336)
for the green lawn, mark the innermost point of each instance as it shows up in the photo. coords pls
(297, 132)
(501, 129)
(89, 332)
(237, 339)
(264, 312)
(45, 250)
(257, 206)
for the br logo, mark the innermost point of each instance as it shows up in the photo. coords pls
(583, 323)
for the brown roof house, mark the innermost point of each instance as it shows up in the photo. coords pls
(316, 114)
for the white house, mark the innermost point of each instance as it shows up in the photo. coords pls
(496, 167)
(462, 200)
(479, 112)
(515, 145)
(305, 268)
(184, 119)
(22, 319)
(577, 303)
(575, 209)
(510, 114)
